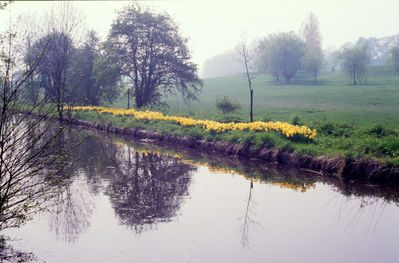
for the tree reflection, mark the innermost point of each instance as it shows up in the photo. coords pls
(150, 191)
(144, 188)
(9, 254)
(72, 212)
(248, 221)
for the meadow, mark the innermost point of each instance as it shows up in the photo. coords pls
(352, 121)
(333, 98)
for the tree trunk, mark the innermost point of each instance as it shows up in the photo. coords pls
(251, 105)
(315, 77)
(128, 98)
(354, 75)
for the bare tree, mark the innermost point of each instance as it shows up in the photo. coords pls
(246, 58)
(30, 30)
(313, 59)
(32, 150)
(311, 33)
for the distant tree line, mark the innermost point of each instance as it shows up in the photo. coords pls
(286, 54)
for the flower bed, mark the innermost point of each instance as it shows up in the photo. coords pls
(287, 129)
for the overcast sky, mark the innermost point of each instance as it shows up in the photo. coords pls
(214, 26)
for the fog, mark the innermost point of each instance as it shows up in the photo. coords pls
(215, 26)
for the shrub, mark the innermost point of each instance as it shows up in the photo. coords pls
(295, 120)
(226, 106)
(379, 131)
(335, 129)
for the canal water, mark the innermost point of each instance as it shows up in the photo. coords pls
(136, 202)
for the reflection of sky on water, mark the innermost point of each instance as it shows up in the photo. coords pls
(136, 206)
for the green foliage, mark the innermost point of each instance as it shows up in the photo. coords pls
(266, 118)
(335, 129)
(226, 118)
(312, 62)
(379, 131)
(94, 77)
(54, 70)
(152, 56)
(268, 140)
(354, 61)
(226, 106)
(295, 120)
(281, 55)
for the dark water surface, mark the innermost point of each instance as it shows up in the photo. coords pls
(139, 203)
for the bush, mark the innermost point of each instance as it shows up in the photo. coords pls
(226, 106)
(268, 140)
(248, 140)
(295, 120)
(379, 131)
(335, 129)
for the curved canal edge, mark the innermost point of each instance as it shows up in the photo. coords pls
(367, 170)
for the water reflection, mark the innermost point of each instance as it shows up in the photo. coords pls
(145, 188)
(248, 219)
(150, 191)
(71, 214)
(249, 216)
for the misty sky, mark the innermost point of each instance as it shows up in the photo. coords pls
(217, 25)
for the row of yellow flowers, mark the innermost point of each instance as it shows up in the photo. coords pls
(287, 129)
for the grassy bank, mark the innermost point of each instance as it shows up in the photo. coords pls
(352, 121)
(333, 139)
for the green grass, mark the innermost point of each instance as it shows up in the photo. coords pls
(333, 98)
(352, 121)
(334, 139)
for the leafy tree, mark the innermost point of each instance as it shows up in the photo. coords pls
(226, 106)
(395, 58)
(265, 61)
(55, 67)
(312, 62)
(354, 61)
(281, 54)
(94, 77)
(152, 55)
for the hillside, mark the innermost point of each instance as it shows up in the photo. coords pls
(333, 98)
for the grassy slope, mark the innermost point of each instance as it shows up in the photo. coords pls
(344, 115)
(333, 98)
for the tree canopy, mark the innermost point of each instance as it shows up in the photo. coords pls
(281, 54)
(153, 56)
(95, 78)
(354, 61)
(54, 69)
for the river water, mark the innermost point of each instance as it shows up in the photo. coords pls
(136, 202)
